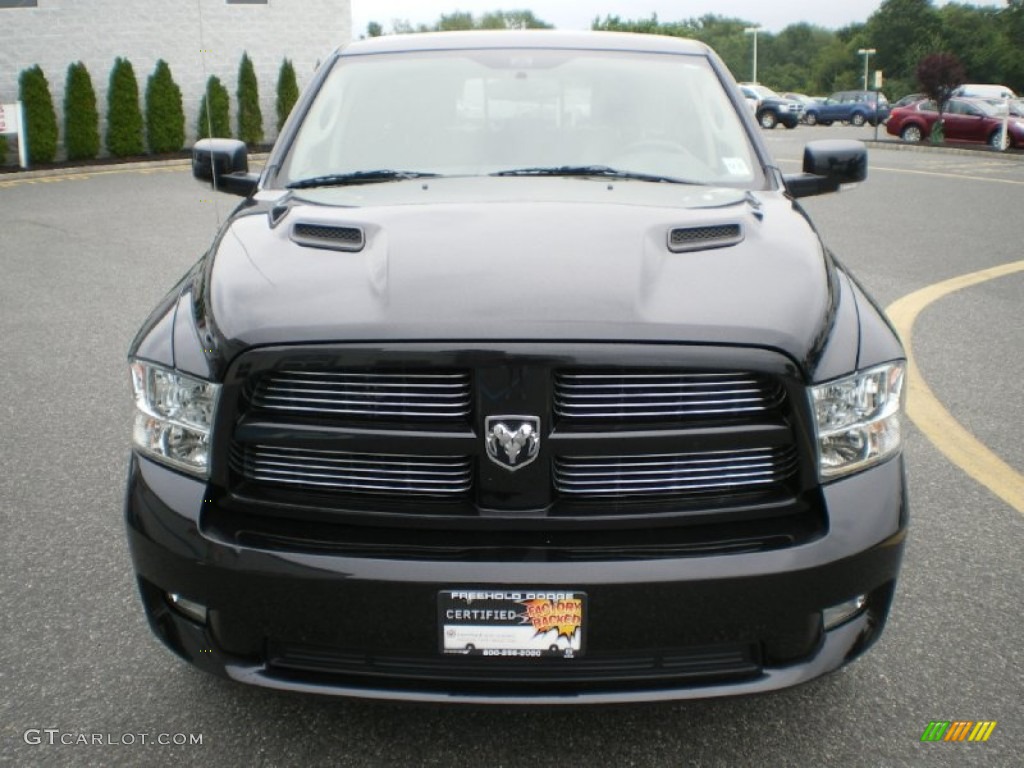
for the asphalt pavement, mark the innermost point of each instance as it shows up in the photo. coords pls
(85, 258)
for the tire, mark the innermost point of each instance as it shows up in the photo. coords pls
(768, 119)
(912, 133)
(995, 140)
(811, 118)
(790, 126)
(857, 119)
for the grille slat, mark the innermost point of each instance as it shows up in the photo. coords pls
(355, 472)
(673, 474)
(667, 396)
(413, 395)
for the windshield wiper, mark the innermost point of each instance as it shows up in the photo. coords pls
(358, 177)
(592, 170)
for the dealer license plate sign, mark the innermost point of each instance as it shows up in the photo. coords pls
(528, 623)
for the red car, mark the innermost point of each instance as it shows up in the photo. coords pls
(963, 120)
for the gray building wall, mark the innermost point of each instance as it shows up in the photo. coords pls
(196, 45)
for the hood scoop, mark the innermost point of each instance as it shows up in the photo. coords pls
(327, 236)
(700, 238)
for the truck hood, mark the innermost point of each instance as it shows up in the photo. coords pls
(521, 259)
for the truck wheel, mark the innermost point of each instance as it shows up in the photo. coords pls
(768, 119)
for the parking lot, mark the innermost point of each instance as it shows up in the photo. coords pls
(85, 257)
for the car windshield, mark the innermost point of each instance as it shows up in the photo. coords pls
(648, 117)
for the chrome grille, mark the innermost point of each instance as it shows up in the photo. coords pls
(674, 474)
(366, 394)
(354, 472)
(662, 396)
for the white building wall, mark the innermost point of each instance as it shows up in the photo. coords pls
(197, 38)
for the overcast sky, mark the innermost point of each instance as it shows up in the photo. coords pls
(578, 14)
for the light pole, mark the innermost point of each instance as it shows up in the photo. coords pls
(866, 53)
(753, 31)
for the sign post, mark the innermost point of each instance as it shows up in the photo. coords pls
(12, 121)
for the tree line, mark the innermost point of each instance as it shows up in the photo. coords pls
(811, 59)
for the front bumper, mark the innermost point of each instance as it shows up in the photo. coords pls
(673, 628)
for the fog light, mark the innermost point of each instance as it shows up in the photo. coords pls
(837, 614)
(188, 608)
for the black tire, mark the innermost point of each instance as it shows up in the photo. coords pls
(790, 126)
(857, 119)
(996, 140)
(768, 119)
(912, 133)
(811, 118)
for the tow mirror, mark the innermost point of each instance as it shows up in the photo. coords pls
(828, 165)
(224, 163)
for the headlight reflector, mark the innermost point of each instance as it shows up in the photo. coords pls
(174, 416)
(857, 419)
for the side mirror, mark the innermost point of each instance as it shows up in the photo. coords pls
(827, 166)
(224, 163)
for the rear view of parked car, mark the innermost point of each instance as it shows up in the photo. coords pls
(854, 107)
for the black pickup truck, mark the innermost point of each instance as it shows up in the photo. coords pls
(518, 376)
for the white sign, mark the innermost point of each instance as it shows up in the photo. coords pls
(11, 121)
(9, 114)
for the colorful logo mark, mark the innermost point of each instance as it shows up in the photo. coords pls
(958, 730)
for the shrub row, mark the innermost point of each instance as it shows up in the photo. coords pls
(130, 131)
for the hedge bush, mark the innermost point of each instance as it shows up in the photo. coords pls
(250, 118)
(40, 127)
(3, 149)
(165, 115)
(81, 118)
(215, 122)
(124, 118)
(287, 92)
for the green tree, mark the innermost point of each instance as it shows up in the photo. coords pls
(124, 118)
(902, 32)
(165, 115)
(374, 29)
(250, 118)
(81, 117)
(287, 92)
(214, 111)
(40, 118)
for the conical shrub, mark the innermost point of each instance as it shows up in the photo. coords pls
(81, 118)
(214, 111)
(165, 115)
(124, 118)
(250, 118)
(287, 92)
(40, 127)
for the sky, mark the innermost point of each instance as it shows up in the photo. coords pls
(578, 14)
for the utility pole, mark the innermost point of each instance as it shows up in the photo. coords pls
(753, 31)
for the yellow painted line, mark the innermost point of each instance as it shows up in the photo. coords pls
(91, 174)
(946, 433)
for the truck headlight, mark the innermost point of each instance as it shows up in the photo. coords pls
(173, 417)
(857, 419)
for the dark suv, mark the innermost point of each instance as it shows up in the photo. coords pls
(519, 375)
(854, 107)
(773, 109)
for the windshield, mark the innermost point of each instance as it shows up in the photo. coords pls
(480, 112)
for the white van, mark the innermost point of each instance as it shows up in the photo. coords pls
(984, 91)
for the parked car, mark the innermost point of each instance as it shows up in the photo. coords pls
(907, 100)
(970, 120)
(519, 376)
(984, 91)
(772, 108)
(854, 107)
